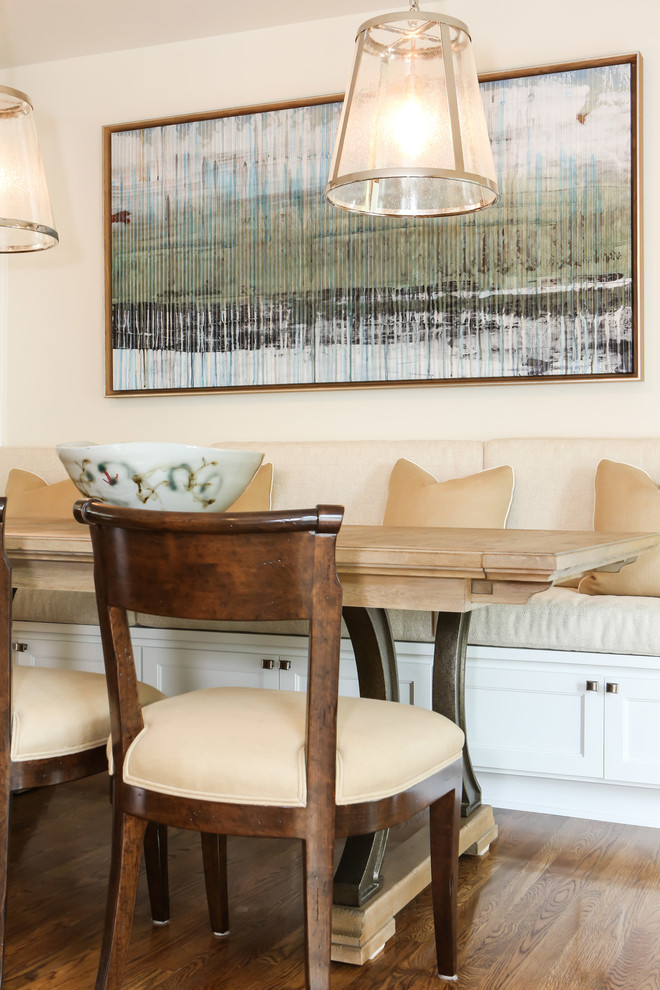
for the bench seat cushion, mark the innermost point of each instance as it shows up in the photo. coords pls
(41, 605)
(562, 619)
(79, 608)
(407, 626)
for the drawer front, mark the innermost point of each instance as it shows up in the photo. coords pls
(531, 720)
(177, 669)
(632, 729)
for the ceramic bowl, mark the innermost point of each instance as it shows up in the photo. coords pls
(172, 476)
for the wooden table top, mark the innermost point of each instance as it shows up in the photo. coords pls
(379, 566)
(489, 553)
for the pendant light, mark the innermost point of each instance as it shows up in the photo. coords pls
(412, 137)
(26, 219)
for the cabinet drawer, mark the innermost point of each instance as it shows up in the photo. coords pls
(68, 653)
(176, 669)
(533, 720)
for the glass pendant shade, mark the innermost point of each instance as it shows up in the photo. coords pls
(412, 137)
(26, 219)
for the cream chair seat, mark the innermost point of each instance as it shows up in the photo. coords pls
(383, 748)
(56, 713)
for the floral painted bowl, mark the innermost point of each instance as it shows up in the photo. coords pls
(172, 476)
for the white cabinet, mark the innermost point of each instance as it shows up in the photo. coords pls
(182, 660)
(37, 644)
(176, 661)
(564, 714)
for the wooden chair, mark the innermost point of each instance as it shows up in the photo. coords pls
(234, 761)
(54, 726)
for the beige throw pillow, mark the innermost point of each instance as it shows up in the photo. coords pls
(257, 495)
(627, 501)
(480, 501)
(29, 496)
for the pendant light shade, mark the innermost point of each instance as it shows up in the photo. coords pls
(26, 219)
(412, 137)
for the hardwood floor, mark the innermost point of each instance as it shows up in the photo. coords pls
(558, 904)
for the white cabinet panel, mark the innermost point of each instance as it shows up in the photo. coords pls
(415, 668)
(57, 647)
(528, 711)
(176, 669)
(632, 739)
(294, 677)
(415, 663)
(524, 717)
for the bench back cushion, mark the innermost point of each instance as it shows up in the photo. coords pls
(555, 476)
(356, 473)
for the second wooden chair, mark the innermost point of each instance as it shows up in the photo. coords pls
(54, 726)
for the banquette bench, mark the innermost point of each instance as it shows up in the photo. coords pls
(563, 694)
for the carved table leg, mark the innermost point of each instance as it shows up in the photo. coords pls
(371, 636)
(451, 638)
(358, 875)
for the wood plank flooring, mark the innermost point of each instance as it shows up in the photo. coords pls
(558, 904)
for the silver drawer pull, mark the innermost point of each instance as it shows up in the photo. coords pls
(593, 686)
(267, 664)
(285, 665)
(19, 647)
(612, 688)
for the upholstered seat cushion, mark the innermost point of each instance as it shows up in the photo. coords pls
(562, 619)
(246, 745)
(407, 626)
(57, 712)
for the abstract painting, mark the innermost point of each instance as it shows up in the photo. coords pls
(226, 268)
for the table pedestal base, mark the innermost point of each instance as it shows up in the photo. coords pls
(478, 830)
(359, 933)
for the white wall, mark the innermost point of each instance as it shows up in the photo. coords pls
(53, 380)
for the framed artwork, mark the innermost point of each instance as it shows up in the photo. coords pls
(226, 268)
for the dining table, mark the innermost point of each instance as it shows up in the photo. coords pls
(449, 572)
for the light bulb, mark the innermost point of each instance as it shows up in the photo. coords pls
(409, 126)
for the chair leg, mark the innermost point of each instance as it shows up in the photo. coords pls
(5, 802)
(127, 841)
(214, 857)
(318, 860)
(444, 828)
(155, 862)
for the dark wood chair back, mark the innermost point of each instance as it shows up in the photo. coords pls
(241, 566)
